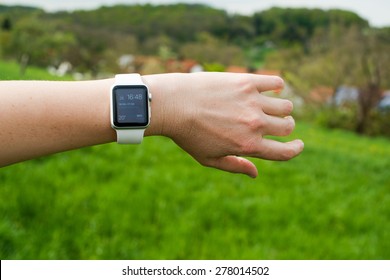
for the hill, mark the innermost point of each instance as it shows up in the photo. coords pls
(91, 39)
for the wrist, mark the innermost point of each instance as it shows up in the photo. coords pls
(130, 108)
(166, 116)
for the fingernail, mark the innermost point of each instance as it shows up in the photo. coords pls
(302, 143)
(290, 118)
(253, 176)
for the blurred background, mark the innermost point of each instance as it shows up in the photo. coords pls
(154, 201)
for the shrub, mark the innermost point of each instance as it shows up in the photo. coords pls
(346, 117)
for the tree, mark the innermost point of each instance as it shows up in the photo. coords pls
(297, 26)
(352, 56)
(209, 49)
(7, 24)
(34, 41)
(6, 27)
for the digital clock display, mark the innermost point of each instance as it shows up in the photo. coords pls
(130, 106)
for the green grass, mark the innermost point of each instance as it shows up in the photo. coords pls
(10, 70)
(153, 201)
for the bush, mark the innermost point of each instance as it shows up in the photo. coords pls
(379, 124)
(346, 117)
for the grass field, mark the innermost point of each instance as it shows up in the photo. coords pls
(9, 70)
(155, 202)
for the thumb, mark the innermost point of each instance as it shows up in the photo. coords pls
(235, 164)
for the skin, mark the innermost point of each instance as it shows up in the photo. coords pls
(218, 118)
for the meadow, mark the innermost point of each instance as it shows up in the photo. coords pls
(153, 201)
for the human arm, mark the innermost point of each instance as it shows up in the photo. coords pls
(215, 117)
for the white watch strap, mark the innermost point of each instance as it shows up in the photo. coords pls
(129, 136)
(128, 79)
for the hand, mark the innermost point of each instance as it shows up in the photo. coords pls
(220, 117)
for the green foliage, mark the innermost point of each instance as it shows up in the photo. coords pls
(209, 49)
(343, 117)
(183, 21)
(6, 24)
(11, 71)
(17, 12)
(310, 47)
(42, 45)
(88, 39)
(287, 26)
(155, 202)
(346, 117)
(213, 67)
(379, 123)
(341, 56)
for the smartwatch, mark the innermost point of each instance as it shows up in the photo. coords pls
(130, 108)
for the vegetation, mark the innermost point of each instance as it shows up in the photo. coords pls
(89, 38)
(332, 202)
(311, 47)
(11, 71)
(342, 56)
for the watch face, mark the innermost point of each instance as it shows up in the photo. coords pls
(130, 106)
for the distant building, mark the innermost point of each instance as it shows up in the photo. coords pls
(384, 103)
(321, 94)
(126, 62)
(63, 69)
(236, 69)
(183, 66)
(269, 72)
(346, 94)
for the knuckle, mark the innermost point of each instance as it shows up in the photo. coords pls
(252, 103)
(244, 84)
(254, 122)
(248, 147)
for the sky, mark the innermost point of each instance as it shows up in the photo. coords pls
(377, 12)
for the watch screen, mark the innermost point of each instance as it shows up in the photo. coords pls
(130, 106)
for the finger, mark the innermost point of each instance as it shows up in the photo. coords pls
(266, 83)
(276, 106)
(235, 164)
(275, 150)
(277, 126)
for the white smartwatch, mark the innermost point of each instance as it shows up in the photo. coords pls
(130, 108)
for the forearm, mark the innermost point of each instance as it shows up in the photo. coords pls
(40, 117)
